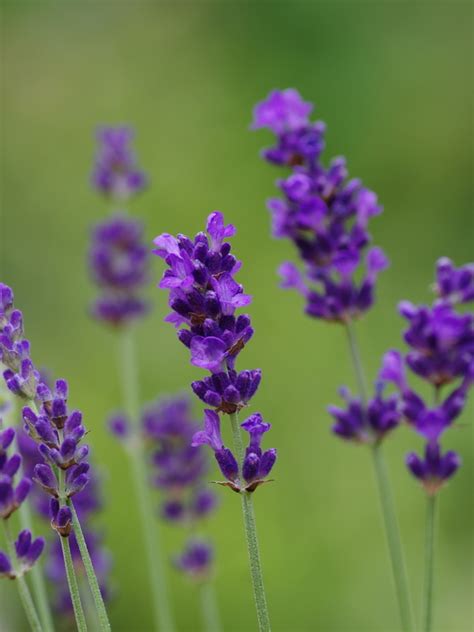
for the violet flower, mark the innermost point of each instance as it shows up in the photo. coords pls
(325, 215)
(256, 465)
(118, 261)
(196, 559)
(27, 553)
(366, 422)
(179, 469)
(12, 494)
(204, 296)
(115, 172)
(441, 343)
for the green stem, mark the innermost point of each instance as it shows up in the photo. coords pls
(392, 533)
(252, 540)
(90, 573)
(23, 590)
(210, 610)
(73, 587)
(154, 559)
(387, 504)
(431, 510)
(36, 573)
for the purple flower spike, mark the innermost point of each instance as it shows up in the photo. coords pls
(435, 469)
(119, 261)
(116, 173)
(179, 463)
(441, 352)
(204, 297)
(324, 214)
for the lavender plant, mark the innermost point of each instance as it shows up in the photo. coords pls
(204, 296)
(326, 217)
(63, 471)
(441, 343)
(118, 261)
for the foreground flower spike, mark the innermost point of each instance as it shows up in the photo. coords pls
(441, 342)
(204, 297)
(115, 172)
(118, 260)
(119, 266)
(325, 215)
(58, 433)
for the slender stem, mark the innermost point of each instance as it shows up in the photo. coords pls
(36, 573)
(90, 573)
(252, 540)
(387, 504)
(154, 558)
(23, 590)
(392, 533)
(210, 610)
(431, 510)
(357, 361)
(73, 587)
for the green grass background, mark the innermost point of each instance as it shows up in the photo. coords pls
(393, 81)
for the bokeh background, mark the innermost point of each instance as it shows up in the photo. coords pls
(393, 81)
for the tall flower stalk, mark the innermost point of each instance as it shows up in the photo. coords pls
(63, 471)
(15, 362)
(119, 266)
(326, 217)
(204, 297)
(441, 343)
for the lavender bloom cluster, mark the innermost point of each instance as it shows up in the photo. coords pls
(116, 173)
(366, 422)
(441, 342)
(47, 421)
(118, 261)
(27, 550)
(118, 256)
(179, 472)
(204, 296)
(323, 213)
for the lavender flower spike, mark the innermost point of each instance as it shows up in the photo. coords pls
(118, 261)
(116, 173)
(204, 297)
(325, 215)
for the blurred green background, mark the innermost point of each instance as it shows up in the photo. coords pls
(393, 81)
